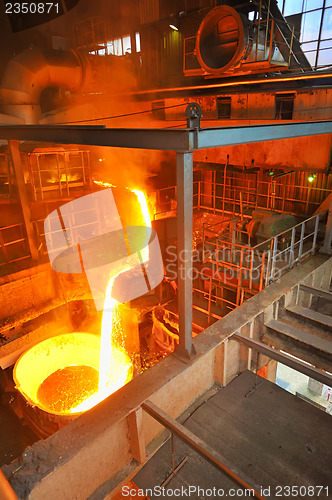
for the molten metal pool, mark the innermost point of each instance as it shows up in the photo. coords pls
(71, 373)
(61, 374)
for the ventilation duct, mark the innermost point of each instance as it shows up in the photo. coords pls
(222, 39)
(34, 70)
(227, 41)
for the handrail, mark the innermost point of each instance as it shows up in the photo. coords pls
(4, 244)
(250, 269)
(284, 358)
(293, 227)
(200, 446)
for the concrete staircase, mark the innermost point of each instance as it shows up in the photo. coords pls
(305, 332)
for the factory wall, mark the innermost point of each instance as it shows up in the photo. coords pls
(305, 153)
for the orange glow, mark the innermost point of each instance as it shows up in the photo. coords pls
(104, 184)
(146, 208)
(64, 178)
(56, 353)
(106, 354)
(111, 318)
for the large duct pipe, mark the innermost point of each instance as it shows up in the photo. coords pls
(226, 40)
(222, 39)
(32, 71)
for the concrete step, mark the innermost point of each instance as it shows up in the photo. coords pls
(310, 316)
(301, 336)
(319, 359)
(305, 325)
(318, 292)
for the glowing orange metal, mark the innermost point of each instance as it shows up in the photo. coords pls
(84, 349)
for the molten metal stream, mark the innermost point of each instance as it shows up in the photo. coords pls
(64, 362)
(114, 370)
(111, 306)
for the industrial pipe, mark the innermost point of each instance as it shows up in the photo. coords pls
(222, 39)
(32, 71)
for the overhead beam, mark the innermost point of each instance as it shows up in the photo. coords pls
(231, 136)
(284, 358)
(162, 139)
(200, 446)
(180, 140)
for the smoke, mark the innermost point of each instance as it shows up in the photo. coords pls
(131, 168)
(109, 100)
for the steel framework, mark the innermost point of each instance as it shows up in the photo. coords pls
(184, 142)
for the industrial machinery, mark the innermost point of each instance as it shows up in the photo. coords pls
(265, 224)
(227, 42)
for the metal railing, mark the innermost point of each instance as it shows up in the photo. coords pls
(291, 246)
(191, 65)
(235, 271)
(270, 194)
(246, 266)
(7, 179)
(165, 199)
(63, 170)
(77, 222)
(269, 42)
(13, 244)
(289, 194)
(239, 269)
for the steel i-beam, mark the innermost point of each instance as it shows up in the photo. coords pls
(184, 175)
